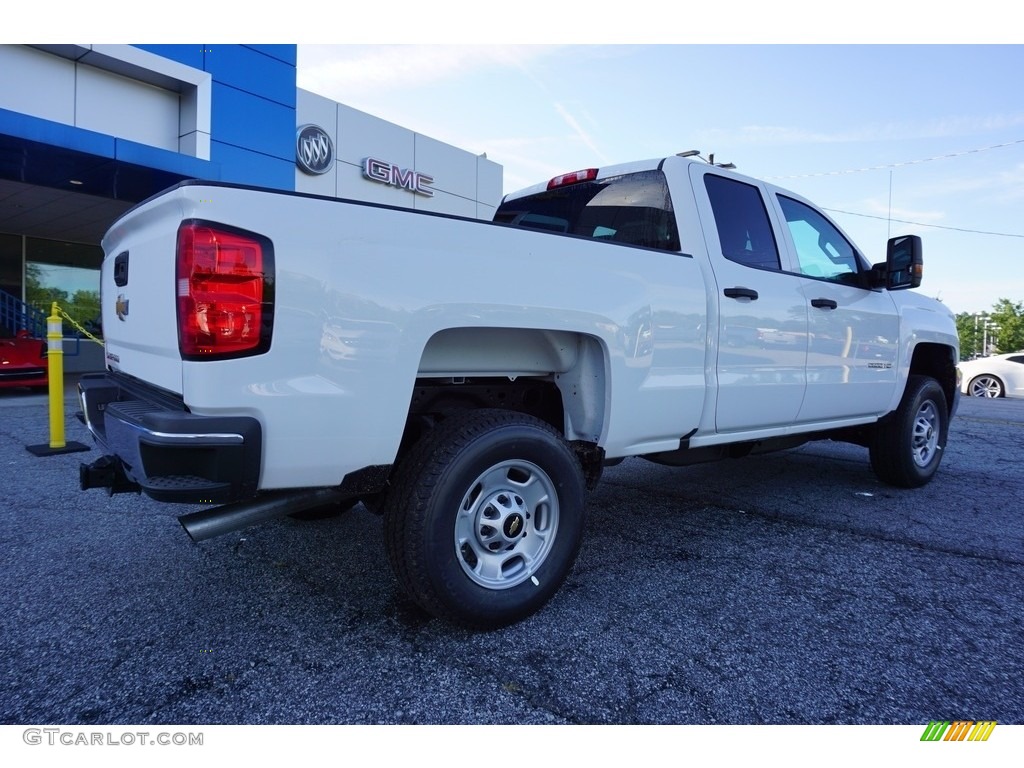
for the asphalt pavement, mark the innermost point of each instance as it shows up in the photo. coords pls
(792, 588)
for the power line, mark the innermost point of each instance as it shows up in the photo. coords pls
(903, 164)
(922, 224)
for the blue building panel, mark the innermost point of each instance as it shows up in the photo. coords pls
(190, 55)
(247, 69)
(18, 125)
(250, 122)
(165, 160)
(252, 109)
(286, 53)
(242, 166)
(252, 132)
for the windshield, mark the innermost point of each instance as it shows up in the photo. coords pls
(633, 209)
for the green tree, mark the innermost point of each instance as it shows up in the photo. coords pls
(1009, 317)
(1002, 328)
(969, 330)
(38, 294)
(85, 306)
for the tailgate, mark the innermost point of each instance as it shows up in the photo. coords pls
(178, 286)
(137, 287)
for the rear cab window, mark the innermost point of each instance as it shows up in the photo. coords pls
(631, 209)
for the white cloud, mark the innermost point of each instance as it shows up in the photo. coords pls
(581, 134)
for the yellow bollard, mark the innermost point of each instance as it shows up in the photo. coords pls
(55, 363)
(55, 357)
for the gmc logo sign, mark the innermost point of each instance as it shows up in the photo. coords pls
(388, 173)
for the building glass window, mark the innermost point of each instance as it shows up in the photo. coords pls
(10, 264)
(68, 273)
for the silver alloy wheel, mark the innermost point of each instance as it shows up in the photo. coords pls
(925, 440)
(986, 386)
(506, 525)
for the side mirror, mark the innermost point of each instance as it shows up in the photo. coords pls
(904, 263)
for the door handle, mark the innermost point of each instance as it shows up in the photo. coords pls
(121, 269)
(824, 303)
(741, 293)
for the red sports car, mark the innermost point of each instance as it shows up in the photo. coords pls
(22, 360)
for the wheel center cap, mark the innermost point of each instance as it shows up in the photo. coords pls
(513, 526)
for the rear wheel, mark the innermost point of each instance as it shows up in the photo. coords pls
(985, 385)
(484, 518)
(908, 444)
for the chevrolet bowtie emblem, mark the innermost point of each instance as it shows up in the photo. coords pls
(121, 307)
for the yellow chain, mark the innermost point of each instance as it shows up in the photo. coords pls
(75, 323)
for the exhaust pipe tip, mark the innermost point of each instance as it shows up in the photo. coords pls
(216, 521)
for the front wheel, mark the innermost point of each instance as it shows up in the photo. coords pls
(484, 518)
(907, 446)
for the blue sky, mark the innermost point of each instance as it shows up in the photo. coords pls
(930, 137)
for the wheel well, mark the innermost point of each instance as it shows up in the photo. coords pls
(436, 399)
(938, 362)
(557, 376)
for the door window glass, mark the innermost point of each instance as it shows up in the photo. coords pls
(821, 249)
(744, 229)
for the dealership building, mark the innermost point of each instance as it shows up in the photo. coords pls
(88, 131)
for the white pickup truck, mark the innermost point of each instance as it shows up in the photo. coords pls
(271, 352)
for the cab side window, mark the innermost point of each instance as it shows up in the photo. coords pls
(744, 229)
(821, 250)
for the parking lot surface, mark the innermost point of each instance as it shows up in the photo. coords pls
(792, 588)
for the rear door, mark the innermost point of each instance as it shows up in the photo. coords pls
(762, 333)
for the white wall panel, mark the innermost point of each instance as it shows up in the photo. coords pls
(361, 135)
(354, 186)
(454, 170)
(119, 106)
(311, 108)
(37, 84)
(464, 184)
(490, 177)
(118, 90)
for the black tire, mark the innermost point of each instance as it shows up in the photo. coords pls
(986, 385)
(908, 444)
(484, 518)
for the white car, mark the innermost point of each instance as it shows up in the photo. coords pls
(995, 376)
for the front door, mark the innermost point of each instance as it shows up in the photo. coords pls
(852, 360)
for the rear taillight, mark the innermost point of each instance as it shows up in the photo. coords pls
(224, 284)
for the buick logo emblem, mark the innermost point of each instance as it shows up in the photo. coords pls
(314, 150)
